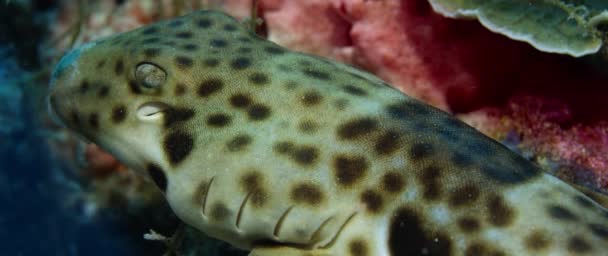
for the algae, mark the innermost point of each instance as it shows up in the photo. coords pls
(573, 27)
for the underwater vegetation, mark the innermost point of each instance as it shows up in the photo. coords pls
(576, 28)
(537, 94)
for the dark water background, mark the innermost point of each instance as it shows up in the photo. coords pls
(36, 217)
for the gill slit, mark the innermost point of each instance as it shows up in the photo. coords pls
(239, 214)
(315, 235)
(280, 221)
(333, 239)
(204, 203)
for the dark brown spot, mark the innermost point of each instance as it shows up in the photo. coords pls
(599, 230)
(240, 100)
(103, 91)
(372, 200)
(180, 89)
(311, 98)
(218, 120)
(220, 212)
(274, 50)
(308, 127)
(421, 150)
(321, 75)
(220, 43)
(462, 160)
(305, 155)
(150, 40)
(178, 145)
(101, 63)
(183, 62)
(252, 184)
(134, 87)
(408, 236)
(158, 176)
(150, 31)
(306, 63)
(258, 112)
(578, 245)
(392, 182)
(499, 213)
(537, 241)
(259, 79)
(176, 23)
(84, 87)
(463, 196)
(238, 143)
(211, 62)
(119, 67)
(430, 179)
(176, 115)
(94, 120)
(407, 109)
(349, 169)
(204, 23)
(358, 248)
(468, 224)
(184, 35)
(240, 63)
(151, 52)
(307, 193)
(75, 117)
(284, 147)
(561, 213)
(119, 113)
(210, 86)
(229, 27)
(341, 104)
(387, 144)
(354, 90)
(476, 249)
(190, 47)
(357, 128)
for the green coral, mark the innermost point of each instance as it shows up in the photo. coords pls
(574, 27)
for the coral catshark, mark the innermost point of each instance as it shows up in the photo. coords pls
(285, 153)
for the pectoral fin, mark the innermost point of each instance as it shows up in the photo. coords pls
(288, 251)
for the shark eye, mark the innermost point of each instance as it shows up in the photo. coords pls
(150, 76)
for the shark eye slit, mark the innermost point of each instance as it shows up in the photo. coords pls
(150, 76)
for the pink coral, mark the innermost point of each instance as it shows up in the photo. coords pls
(461, 67)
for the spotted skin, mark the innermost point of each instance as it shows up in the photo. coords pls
(290, 154)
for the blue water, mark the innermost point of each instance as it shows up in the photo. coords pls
(35, 218)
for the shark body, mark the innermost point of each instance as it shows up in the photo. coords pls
(284, 153)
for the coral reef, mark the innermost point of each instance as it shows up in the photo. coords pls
(545, 130)
(567, 27)
(461, 67)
